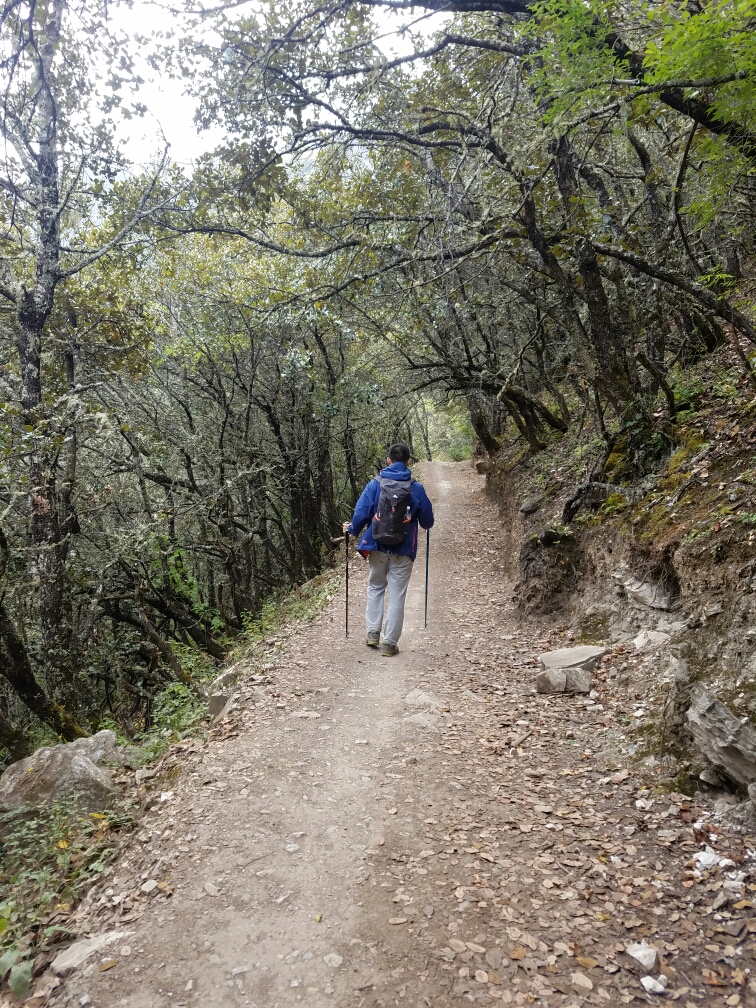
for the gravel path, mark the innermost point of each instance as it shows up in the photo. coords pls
(323, 849)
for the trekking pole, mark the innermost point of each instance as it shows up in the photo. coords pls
(427, 552)
(346, 613)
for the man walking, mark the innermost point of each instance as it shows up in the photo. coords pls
(389, 510)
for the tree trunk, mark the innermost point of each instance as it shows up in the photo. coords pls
(16, 669)
(13, 739)
(480, 425)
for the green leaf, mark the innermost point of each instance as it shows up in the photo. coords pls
(3, 924)
(7, 959)
(21, 977)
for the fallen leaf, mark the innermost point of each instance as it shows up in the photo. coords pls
(518, 953)
(713, 979)
(581, 982)
(587, 962)
(108, 964)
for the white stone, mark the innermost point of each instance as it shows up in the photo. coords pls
(648, 639)
(706, 858)
(148, 886)
(72, 957)
(644, 956)
(653, 986)
(586, 656)
(332, 959)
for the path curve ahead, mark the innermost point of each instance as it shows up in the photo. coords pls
(323, 849)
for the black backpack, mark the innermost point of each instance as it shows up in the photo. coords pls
(392, 518)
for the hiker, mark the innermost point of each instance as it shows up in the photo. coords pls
(389, 509)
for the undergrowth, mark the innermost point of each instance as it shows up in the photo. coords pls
(179, 711)
(47, 859)
(301, 604)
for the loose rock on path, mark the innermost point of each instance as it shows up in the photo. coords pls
(424, 830)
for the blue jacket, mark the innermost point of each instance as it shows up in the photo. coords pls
(421, 510)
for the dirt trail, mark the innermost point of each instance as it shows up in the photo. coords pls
(323, 849)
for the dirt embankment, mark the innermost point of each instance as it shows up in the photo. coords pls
(672, 555)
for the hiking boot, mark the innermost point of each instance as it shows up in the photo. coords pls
(373, 638)
(388, 650)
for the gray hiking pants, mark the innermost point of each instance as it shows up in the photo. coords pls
(387, 569)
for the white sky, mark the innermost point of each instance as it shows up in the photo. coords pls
(170, 110)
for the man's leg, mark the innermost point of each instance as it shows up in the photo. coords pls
(376, 589)
(399, 571)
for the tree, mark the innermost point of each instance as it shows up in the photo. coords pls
(57, 176)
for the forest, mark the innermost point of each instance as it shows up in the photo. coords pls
(524, 216)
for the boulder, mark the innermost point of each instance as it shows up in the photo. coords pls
(710, 776)
(551, 681)
(578, 680)
(530, 506)
(586, 656)
(568, 670)
(220, 704)
(648, 639)
(70, 770)
(727, 742)
(216, 702)
(569, 680)
(482, 466)
(228, 678)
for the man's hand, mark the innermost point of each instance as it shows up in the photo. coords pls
(345, 527)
